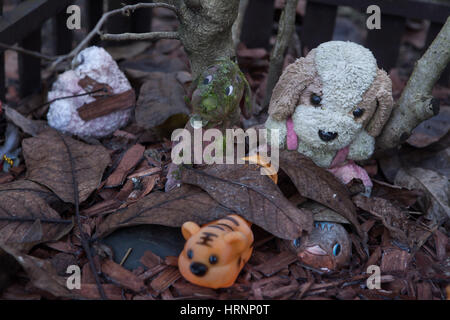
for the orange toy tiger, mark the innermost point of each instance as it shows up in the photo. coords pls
(215, 254)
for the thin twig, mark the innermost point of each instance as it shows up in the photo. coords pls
(151, 36)
(75, 96)
(126, 10)
(42, 220)
(28, 52)
(85, 241)
(125, 257)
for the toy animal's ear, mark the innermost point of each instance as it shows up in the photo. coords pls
(246, 100)
(189, 229)
(385, 103)
(286, 94)
(237, 240)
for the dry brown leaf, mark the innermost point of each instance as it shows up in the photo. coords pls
(243, 189)
(433, 184)
(31, 127)
(25, 216)
(160, 98)
(41, 273)
(393, 218)
(48, 158)
(397, 194)
(166, 208)
(431, 130)
(319, 185)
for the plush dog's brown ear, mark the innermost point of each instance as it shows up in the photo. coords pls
(384, 104)
(286, 94)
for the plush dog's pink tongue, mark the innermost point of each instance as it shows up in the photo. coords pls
(340, 157)
(292, 139)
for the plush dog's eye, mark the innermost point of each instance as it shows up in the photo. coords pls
(336, 249)
(296, 242)
(315, 99)
(207, 80)
(229, 90)
(190, 254)
(358, 112)
(213, 259)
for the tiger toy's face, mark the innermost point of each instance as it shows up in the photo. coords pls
(215, 254)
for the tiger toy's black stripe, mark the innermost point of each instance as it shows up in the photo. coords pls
(206, 238)
(232, 220)
(225, 225)
(217, 227)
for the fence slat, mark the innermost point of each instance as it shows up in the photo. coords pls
(63, 34)
(95, 11)
(258, 22)
(318, 25)
(414, 9)
(117, 23)
(27, 17)
(30, 67)
(385, 42)
(141, 19)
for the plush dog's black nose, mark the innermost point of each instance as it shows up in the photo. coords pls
(198, 269)
(327, 136)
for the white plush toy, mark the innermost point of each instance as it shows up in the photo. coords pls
(97, 64)
(331, 105)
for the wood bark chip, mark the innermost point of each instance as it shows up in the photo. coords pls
(243, 189)
(107, 105)
(122, 276)
(165, 279)
(319, 185)
(150, 260)
(127, 163)
(47, 157)
(394, 260)
(277, 263)
(26, 219)
(171, 209)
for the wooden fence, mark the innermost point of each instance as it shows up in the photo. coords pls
(320, 20)
(23, 25)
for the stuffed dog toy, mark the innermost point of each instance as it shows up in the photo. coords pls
(215, 254)
(331, 105)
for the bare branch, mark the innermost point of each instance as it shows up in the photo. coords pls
(285, 30)
(152, 36)
(126, 10)
(416, 103)
(28, 52)
(237, 26)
